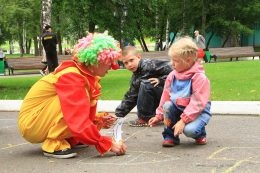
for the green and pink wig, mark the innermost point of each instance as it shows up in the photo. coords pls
(97, 48)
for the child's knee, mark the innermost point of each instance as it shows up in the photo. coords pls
(146, 84)
(167, 109)
(190, 131)
(167, 106)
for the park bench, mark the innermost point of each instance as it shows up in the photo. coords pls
(233, 52)
(29, 63)
(34, 63)
(156, 55)
(25, 63)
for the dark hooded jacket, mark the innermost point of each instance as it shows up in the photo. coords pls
(147, 68)
(49, 42)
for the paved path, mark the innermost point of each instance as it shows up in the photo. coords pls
(218, 107)
(233, 147)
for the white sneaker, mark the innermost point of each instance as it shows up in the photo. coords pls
(42, 73)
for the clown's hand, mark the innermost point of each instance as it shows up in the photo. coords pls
(118, 148)
(109, 120)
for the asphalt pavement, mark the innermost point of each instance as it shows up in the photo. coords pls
(233, 146)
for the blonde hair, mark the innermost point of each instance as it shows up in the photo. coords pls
(129, 50)
(183, 48)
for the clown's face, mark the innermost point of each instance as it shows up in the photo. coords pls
(100, 70)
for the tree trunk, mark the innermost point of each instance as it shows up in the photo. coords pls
(203, 19)
(59, 43)
(36, 46)
(91, 26)
(161, 43)
(145, 47)
(157, 46)
(11, 47)
(140, 42)
(203, 22)
(46, 13)
(167, 35)
(28, 44)
(20, 41)
(59, 38)
(142, 37)
(161, 38)
(45, 16)
(227, 37)
(184, 25)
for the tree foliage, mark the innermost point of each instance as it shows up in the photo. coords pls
(127, 20)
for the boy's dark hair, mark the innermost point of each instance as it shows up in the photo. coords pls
(43, 30)
(47, 27)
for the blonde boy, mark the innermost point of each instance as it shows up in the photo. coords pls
(146, 85)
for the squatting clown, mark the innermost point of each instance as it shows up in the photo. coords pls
(60, 110)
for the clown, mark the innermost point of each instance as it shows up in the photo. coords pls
(59, 111)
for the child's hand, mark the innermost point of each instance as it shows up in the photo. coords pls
(153, 121)
(154, 81)
(178, 127)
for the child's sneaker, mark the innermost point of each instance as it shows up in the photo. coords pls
(201, 140)
(168, 143)
(138, 123)
(61, 154)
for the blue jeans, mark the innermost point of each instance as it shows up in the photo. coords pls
(194, 129)
(148, 99)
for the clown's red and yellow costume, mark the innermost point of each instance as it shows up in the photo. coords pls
(60, 109)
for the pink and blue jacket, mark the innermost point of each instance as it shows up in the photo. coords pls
(189, 90)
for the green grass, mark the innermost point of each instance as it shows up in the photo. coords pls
(18, 55)
(236, 81)
(257, 49)
(15, 88)
(115, 84)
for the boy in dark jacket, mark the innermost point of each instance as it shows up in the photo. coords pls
(146, 86)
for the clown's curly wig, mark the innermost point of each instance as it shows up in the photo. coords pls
(96, 48)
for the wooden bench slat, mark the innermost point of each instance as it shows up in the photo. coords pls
(233, 52)
(30, 63)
